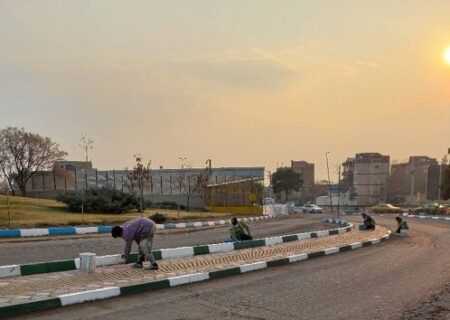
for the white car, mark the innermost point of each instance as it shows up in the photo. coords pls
(312, 208)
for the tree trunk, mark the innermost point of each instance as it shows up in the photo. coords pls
(13, 192)
(287, 194)
(23, 190)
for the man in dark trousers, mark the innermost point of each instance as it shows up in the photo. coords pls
(141, 231)
(369, 222)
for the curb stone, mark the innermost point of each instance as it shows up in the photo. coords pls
(58, 231)
(73, 264)
(419, 216)
(104, 293)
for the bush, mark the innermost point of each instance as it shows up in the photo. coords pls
(169, 205)
(99, 201)
(159, 217)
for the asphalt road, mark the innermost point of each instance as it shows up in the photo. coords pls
(378, 282)
(68, 248)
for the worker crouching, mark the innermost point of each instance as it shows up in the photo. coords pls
(402, 227)
(368, 223)
(239, 230)
(141, 231)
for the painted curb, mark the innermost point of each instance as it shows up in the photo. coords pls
(101, 261)
(419, 216)
(58, 231)
(109, 292)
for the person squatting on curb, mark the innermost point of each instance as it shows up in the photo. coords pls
(369, 222)
(142, 231)
(402, 225)
(239, 230)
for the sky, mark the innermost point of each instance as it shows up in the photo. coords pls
(244, 83)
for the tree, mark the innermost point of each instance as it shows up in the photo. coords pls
(287, 180)
(23, 153)
(183, 181)
(139, 180)
(86, 144)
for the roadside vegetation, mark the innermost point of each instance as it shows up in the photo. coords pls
(32, 212)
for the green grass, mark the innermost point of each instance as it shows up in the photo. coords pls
(32, 212)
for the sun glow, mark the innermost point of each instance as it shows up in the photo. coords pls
(447, 55)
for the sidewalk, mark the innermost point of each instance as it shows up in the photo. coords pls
(17, 290)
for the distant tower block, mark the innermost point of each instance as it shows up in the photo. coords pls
(87, 262)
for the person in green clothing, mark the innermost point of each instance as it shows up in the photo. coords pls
(239, 230)
(402, 225)
(369, 222)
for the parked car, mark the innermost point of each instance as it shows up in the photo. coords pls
(431, 208)
(385, 208)
(312, 208)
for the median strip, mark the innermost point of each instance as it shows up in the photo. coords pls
(114, 291)
(73, 264)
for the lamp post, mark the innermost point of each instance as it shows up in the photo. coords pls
(9, 207)
(329, 182)
(339, 189)
(180, 176)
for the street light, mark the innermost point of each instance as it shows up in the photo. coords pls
(180, 176)
(329, 182)
(208, 162)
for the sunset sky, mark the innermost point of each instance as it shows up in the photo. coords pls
(245, 83)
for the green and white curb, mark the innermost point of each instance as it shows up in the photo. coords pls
(109, 292)
(73, 264)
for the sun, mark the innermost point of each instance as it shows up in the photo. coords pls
(447, 55)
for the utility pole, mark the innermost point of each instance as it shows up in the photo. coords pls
(9, 207)
(208, 162)
(339, 190)
(329, 182)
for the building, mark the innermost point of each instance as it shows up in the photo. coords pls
(399, 183)
(164, 184)
(340, 199)
(413, 179)
(239, 196)
(306, 169)
(436, 172)
(370, 178)
(419, 174)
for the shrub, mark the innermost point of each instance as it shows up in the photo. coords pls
(169, 205)
(99, 201)
(159, 217)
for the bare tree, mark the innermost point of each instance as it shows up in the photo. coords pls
(86, 144)
(23, 153)
(190, 183)
(139, 180)
(183, 180)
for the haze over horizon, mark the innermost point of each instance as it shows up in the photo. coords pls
(244, 83)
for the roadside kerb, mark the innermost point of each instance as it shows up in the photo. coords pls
(59, 231)
(97, 294)
(419, 216)
(66, 265)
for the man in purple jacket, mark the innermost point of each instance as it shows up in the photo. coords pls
(142, 231)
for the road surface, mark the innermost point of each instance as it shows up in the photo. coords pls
(54, 248)
(386, 281)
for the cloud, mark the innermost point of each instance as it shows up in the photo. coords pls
(367, 64)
